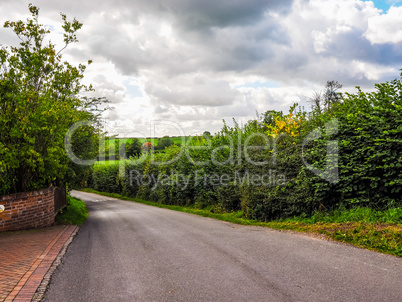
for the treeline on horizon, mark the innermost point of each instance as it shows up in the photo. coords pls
(365, 168)
(134, 146)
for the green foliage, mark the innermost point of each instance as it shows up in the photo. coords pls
(371, 146)
(39, 100)
(133, 148)
(163, 143)
(270, 116)
(106, 178)
(366, 137)
(85, 142)
(76, 212)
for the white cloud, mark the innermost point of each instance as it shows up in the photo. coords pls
(386, 28)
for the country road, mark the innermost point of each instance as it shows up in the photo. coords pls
(128, 251)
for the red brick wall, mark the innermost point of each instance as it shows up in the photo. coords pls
(27, 210)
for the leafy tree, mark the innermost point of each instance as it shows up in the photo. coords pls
(40, 98)
(85, 145)
(133, 148)
(163, 143)
(270, 116)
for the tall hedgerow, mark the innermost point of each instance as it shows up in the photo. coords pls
(353, 159)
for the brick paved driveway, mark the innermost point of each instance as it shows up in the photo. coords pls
(25, 257)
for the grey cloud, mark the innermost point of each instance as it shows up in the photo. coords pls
(236, 49)
(245, 43)
(104, 83)
(160, 109)
(212, 43)
(191, 90)
(223, 13)
(353, 45)
(113, 92)
(194, 15)
(200, 15)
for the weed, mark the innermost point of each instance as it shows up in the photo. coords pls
(75, 213)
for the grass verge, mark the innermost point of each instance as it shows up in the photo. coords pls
(75, 213)
(365, 228)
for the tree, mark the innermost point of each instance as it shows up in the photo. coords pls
(133, 149)
(316, 101)
(85, 145)
(322, 101)
(270, 116)
(40, 98)
(147, 147)
(331, 95)
(163, 143)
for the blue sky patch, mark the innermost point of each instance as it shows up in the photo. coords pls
(385, 4)
(133, 91)
(258, 84)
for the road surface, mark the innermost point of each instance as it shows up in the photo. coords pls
(128, 251)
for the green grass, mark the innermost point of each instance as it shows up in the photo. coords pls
(75, 213)
(362, 227)
(154, 141)
(115, 162)
(359, 214)
(108, 162)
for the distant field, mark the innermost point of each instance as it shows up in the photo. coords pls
(111, 162)
(106, 162)
(176, 139)
(154, 141)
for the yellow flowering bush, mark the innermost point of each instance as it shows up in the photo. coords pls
(288, 124)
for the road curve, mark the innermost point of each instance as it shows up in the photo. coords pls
(128, 251)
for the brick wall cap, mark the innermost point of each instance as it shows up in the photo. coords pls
(23, 195)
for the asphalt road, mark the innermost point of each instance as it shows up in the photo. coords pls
(133, 252)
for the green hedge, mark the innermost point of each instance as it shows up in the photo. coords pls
(368, 135)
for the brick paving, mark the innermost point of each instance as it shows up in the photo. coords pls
(25, 257)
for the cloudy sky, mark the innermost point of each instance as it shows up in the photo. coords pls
(193, 63)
